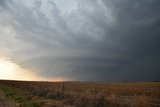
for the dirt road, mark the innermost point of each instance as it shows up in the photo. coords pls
(5, 102)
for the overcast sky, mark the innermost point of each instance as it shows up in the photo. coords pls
(83, 40)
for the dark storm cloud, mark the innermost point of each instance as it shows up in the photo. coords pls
(4, 3)
(101, 40)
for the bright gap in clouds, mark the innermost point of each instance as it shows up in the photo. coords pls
(66, 7)
(12, 71)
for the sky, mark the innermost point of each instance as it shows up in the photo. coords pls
(80, 40)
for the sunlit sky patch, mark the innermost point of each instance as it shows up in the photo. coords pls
(11, 71)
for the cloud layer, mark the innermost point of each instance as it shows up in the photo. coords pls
(99, 40)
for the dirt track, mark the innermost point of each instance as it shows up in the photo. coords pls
(5, 102)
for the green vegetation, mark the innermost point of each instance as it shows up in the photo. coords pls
(22, 101)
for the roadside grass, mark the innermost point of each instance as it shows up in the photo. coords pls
(21, 100)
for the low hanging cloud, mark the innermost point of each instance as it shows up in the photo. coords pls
(99, 40)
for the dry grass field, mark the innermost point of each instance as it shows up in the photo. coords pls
(85, 94)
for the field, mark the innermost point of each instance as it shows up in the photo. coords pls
(82, 94)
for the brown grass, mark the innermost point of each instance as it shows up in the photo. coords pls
(89, 94)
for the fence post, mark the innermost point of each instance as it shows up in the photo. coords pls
(51, 88)
(94, 91)
(85, 93)
(62, 87)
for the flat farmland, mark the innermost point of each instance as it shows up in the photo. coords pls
(86, 94)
